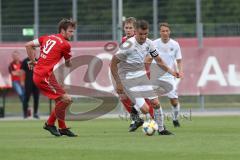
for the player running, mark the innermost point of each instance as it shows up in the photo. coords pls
(52, 49)
(128, 69)
(129, 29)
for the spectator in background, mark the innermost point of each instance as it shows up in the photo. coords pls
(16, 75)
(30, 88)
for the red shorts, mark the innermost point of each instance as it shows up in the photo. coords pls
(48, 85)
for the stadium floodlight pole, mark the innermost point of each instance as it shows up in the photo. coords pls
(200, 42)
(120, 23)
(74, 15)
(199, 24)
(155, 19)
(114, 20)
(36, 18)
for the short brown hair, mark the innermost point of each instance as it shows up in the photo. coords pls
(164, 24)
(142, 24)
(130, 20)
(65, 23)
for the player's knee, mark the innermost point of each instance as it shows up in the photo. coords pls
(67, 99)
(155, 103)
(144, 109)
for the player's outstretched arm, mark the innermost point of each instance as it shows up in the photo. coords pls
(147, 62)
(161, 64)
(180, 68)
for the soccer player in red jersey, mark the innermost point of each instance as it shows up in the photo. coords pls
(52, 49)
(129, 29)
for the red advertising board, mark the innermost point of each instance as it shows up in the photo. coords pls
(214, 69)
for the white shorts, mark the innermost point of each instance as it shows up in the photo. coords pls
(170, 79)
(138, 89)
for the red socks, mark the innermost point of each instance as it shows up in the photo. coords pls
(127, 103)
(52, 118)
(58, 113)
(150, 107)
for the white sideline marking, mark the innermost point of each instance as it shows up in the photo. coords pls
(116, 115)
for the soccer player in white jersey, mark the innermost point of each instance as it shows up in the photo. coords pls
(137, 121)
(128, 71)
(169, 50)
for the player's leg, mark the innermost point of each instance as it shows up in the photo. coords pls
(173, 97)
(151, 110)
(136, 121)
(50, 88)
(62, 101)
(61, 105)
(159, 116)
(175, 111)
(43, 84)
(127, 103)
(143, 107)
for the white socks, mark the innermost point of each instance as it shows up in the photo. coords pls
(148, 116)
(175, 112)
(159, 118)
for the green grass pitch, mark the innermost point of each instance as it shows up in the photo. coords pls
(203, 138)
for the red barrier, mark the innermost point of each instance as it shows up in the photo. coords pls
(212, 70)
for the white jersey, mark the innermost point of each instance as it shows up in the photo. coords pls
(132, 56)
(169, 52)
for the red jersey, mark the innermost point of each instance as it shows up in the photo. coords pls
(52, 49)
(15, 67)
(124, 39)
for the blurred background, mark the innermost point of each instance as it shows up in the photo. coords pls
(193, 23)
(98, 19)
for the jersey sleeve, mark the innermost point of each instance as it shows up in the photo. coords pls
(124, 39)
(178, 52)
(123, 51)
(67, 51)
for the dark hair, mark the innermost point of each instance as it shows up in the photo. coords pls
(165, 24)
(142, 24)
(130, 20)
(65, 23)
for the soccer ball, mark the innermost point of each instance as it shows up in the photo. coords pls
(149, 127)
